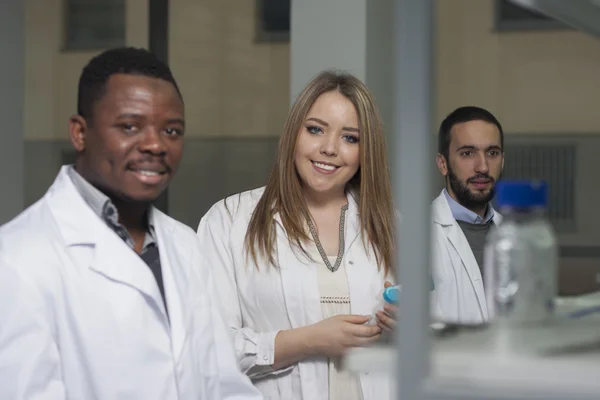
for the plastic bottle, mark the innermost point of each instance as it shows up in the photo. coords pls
(521, 257)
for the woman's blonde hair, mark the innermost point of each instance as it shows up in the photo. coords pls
(370, 185)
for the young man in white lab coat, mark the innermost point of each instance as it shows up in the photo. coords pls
(471, 158)
(102, 296)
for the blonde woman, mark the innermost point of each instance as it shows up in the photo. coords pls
(299, 263)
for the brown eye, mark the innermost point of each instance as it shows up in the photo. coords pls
(128, 128)
(174, 132)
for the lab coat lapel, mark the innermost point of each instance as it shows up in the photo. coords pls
(112, 257)
(299, 282)
(302, 300)
(118, 262)
(457, 239)
(355, 262)
(173, 263)
(352, 223)
(461, 245)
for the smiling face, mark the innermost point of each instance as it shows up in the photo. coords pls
(327, 152)
(475, 162)
(133, 144)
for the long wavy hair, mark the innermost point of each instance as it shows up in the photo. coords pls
(370, 185)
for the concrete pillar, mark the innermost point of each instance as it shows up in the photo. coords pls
(12, 32)
(352, 35)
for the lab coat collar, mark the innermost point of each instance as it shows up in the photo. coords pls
(352, 207)
(461, 213)
(68, 206)
(77, 222)
(80, 226)
(352, 223)
(442, 213)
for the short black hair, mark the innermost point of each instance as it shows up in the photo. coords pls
(122, 60)
(460, 115)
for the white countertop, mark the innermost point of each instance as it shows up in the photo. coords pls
(562, 356)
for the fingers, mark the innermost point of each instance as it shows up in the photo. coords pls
(391, 310)
(364, 331)
(385, 322)
(355, 319)
(363, 341)
(387, 284)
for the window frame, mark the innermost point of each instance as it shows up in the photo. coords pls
(501, 25)
(69, 45)
(263, 36)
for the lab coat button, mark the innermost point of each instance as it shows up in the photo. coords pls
(351, 262)
(265, 358)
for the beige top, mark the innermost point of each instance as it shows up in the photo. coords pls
(335, 300)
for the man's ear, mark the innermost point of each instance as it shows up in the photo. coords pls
(77, 132)
(442, 164)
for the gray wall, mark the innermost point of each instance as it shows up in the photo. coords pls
(211, 169)
(12, 87)
(215, 168)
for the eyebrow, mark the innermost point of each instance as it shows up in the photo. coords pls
(471, 147)
(345, 128)
(179, 121)
(140, 116)
(131, 115)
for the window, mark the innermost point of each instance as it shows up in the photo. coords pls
(512, 17)
(94, 24)
(273, 20)
(553, 163)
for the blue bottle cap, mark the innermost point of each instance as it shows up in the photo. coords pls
(522, 194)
(391, 294)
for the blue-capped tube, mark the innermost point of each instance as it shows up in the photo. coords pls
(390, 295)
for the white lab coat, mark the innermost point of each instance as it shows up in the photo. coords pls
(81, 316)
(259, 303)
(459, 290)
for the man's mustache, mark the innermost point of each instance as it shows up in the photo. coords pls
(481, 177)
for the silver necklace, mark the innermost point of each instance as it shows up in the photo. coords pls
(340, 255)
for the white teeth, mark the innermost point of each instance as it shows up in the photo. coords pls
(148, 173)
(325, 166)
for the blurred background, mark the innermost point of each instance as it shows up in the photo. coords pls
(240, 63)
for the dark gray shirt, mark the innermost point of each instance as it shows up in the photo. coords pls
(106, 210)
(476, 235)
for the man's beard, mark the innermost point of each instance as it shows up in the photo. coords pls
(466, 197)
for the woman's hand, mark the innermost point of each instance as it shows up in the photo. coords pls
(333, 336)
(387, 319)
